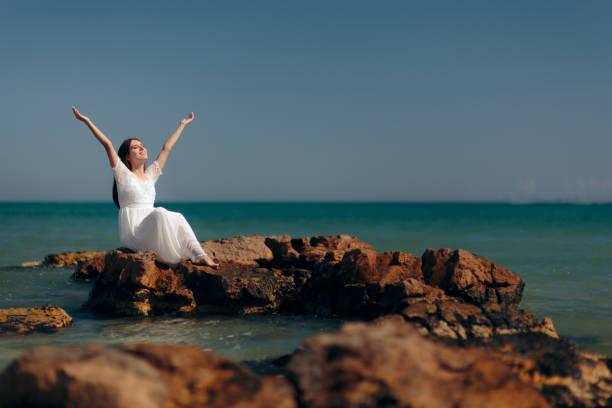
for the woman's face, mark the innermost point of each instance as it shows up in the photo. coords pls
(137, 152)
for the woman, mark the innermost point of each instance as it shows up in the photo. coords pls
(143, 227)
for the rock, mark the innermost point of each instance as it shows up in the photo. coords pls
(21, 320)
(390, 364)
(248, 281)
(283, 253)
(471, 277)
(370, 268)
(246, 250)
(195, 378)
(452, 294)
(136, 376)
(31, 264)
(317, 249)
(452, 318)
(362, 276)
(235, 289)
(137, 284)
(70, 258)
(89, 269)
(564, 375)
(89, 376)
(398, 294)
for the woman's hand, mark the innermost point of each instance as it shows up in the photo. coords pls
(186, 121)
(108, 146)
(79, 116)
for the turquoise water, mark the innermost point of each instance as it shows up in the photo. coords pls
(563, 251)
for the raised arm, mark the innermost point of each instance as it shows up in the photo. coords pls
(108, 146)
(163, 155)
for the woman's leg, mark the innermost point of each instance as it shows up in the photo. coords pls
(191, 243)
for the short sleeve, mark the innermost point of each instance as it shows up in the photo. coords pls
(120, 171)
(153, 171)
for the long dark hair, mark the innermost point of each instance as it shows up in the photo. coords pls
(124, 151)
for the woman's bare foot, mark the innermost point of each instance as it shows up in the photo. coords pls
(206, 260)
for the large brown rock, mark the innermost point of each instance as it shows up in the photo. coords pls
(64, 259)
(70, 258)
(565, 375)
(362, 276)
(256, 274)
(136, 376)
(392, 365)
(283, 252)
(195, 378)
(21, 320)
(453, 294)
(451, 318)
(90, 268)
(246, 250)
(137, 284)
(310, 252)
(249, 251)
(471, 277)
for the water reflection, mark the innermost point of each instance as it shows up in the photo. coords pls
(234, 337)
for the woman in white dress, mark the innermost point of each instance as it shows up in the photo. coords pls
(143, 227)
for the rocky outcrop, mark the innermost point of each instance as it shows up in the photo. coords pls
(137, 284)
(245, 250)
(136, 376)
(248, 250)
(21, 320)
(451, 318)
(64, 259)
(454, 294)
(89, 269)
(471, 277)
(445, 330)
(70, 258)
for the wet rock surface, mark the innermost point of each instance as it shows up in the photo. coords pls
(136, 376)
(21, 320)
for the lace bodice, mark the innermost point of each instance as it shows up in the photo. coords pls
(132, 191)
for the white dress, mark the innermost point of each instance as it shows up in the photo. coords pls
(143, 227)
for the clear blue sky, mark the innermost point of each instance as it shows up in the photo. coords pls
(312, 100)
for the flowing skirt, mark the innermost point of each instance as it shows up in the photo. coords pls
(156, 229)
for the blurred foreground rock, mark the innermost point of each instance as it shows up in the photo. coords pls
(386, 363)
(21, 320)
(393, 365)
(565, 375)
(136, 376)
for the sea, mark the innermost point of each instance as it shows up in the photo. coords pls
(562, 251)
